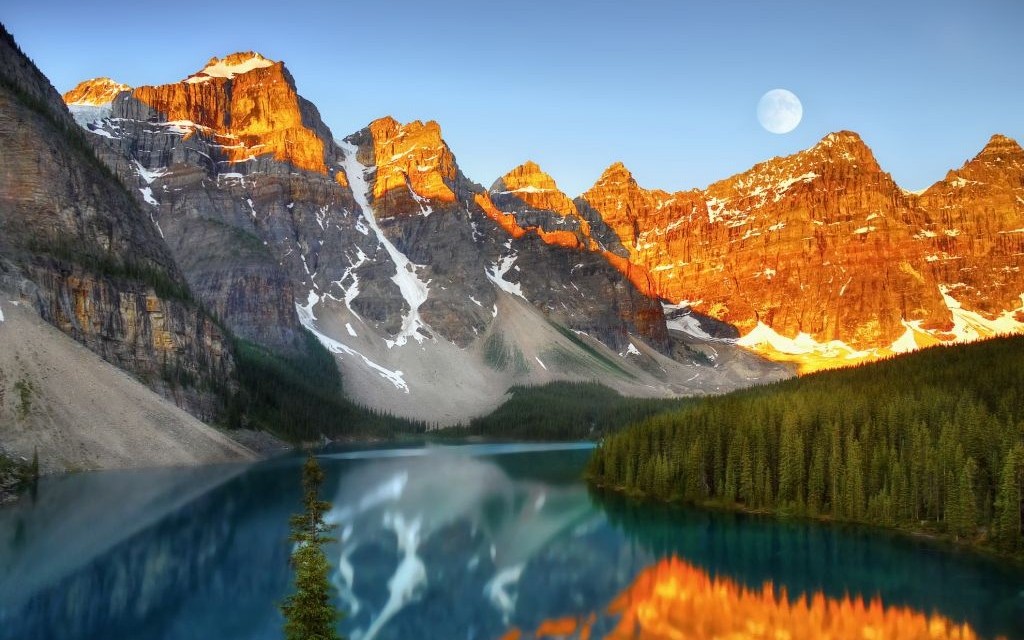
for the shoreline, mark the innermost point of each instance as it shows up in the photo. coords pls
(934, 539)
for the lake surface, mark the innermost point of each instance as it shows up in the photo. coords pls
(435, 542)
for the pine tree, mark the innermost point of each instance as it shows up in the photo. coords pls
(929, 442)
(1007, 523)
(309, 613)
(967, 509)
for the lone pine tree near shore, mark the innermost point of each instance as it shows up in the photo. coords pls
(309, 613)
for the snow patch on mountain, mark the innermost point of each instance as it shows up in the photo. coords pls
(783, 186)
(147, 195)
(351, 291)
(684, 321)
(803, 344)
(223, 69)
(527, 189)
(496, 272)
(907, 343)
(149, 175)
(413, 290)
(91, 114)
(969, 326)
(308, 320)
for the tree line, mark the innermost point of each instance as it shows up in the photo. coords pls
(561, 411)
(299, 398)
(926, 442)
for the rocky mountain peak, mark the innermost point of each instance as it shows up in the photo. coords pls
(246, 105)
(999, 142)
(412, 160)
(230, 66)
(842, 147)
(843, 137)
(1001, 149)
(94, 92)
(537, 189)
(999, 165)
(616, 173)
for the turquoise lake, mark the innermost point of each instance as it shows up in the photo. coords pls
(444, 542)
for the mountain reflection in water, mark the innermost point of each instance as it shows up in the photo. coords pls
(445, 543)
(469, 508)
(674, 600)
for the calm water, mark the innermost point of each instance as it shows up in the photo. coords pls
(441, 542)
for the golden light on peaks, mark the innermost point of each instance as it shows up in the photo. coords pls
(675, 600)
(249, 107)
(97, 91)
(507, 221)
(538, 189)
(411, 157)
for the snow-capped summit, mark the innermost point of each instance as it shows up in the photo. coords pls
(230, 66)
(95, 92)
(90, 100)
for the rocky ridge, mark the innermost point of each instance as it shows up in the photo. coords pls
(818, 258)
(95, 92)
(76, 247)
(822, 259)
(385, 249)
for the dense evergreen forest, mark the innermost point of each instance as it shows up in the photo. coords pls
(928, 442)
(562, 411)
(299, 399)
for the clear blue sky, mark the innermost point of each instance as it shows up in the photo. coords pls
(669, 87)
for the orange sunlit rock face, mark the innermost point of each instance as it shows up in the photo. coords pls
(248, 104)
(824, 243)
(97, 91)
(675, 600)
(538, 189)
(506, 221)
(413, 162)
(811, 243)
(976, 238)
(529, 190)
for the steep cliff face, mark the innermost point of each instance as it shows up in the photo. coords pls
(90, 101)
(820, 257)
(95, 92)
(528, 204)
(974, 228)
(248, 106)
(91, 262)
(377, 243)
(240, 176)
(413, 201)
(469, 245)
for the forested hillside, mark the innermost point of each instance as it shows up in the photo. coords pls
(927, 442)
(563, 411)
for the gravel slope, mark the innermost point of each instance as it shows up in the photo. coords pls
(84, 413)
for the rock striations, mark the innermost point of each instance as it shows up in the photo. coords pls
(382, 246)
(398, 261)
(821, 258)
(78, 248)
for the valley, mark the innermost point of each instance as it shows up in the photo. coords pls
(783, 403)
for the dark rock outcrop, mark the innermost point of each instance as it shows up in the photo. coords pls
(101, 272)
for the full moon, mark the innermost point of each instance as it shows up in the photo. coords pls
(779, 111)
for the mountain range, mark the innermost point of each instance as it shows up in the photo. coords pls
(157, 225)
